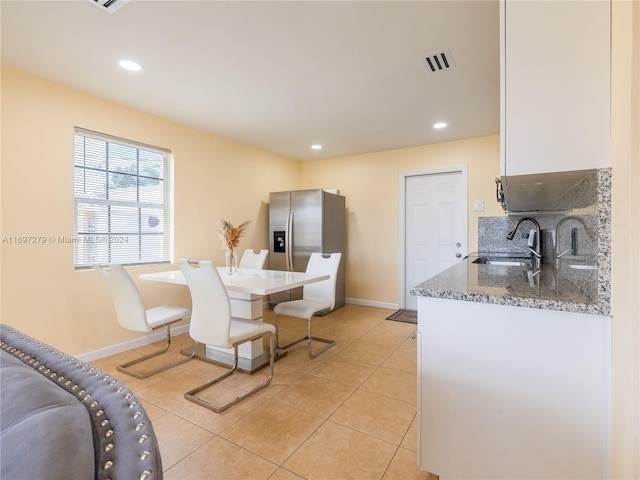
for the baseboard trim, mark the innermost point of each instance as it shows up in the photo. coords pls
(372, 303)
(131, 344)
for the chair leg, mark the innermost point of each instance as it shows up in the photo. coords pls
(125, 366)
(307, 337)
(191, 394)
(284, 347)
(310, 337)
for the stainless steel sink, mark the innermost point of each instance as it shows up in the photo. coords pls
(504, 261)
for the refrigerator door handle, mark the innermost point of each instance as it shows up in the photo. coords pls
(288, 239)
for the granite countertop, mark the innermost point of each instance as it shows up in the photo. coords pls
(520, 286)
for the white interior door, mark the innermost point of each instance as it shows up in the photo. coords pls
(435, 226)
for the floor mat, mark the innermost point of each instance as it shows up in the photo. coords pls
(409, 316)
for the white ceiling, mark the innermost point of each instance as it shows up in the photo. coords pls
(277, 75)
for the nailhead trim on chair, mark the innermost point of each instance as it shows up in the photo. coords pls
(76, 373)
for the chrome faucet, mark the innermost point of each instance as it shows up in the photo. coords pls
(536, 253)
(572, 250)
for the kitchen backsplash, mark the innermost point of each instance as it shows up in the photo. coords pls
(580, 227)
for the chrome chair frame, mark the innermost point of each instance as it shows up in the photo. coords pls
(191, 394)
(125, 367)
(314, 304)
(211, 303)
(309, 337)
(131, 315)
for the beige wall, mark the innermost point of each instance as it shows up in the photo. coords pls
(370, 184)
(214, 177)
(625, 155)
(41, 293)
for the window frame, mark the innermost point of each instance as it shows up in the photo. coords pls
(102, 244)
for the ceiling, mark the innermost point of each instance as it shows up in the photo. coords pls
(280, 76)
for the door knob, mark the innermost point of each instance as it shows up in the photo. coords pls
(458, 255)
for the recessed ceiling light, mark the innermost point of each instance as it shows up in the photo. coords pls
(439, 125)
(316, 147)
(129, 65)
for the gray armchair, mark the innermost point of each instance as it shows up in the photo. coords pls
(61, 418)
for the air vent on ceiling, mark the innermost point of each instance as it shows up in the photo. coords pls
(439, 61)
(109, 5)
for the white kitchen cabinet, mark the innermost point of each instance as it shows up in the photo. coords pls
(508, 392)
(555, 86)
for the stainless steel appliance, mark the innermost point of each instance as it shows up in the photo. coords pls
(302, 222)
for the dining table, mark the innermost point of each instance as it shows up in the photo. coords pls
(247, 289)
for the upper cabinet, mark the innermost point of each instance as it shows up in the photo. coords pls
(555, 86)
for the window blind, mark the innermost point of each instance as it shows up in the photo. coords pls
(123, 207)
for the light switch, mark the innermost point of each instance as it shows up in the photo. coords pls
(478, 206)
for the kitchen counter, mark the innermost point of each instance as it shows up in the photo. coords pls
(518, 286)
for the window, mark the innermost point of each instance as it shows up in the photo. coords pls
(123, 203)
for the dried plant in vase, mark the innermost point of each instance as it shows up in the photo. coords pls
(230, 237)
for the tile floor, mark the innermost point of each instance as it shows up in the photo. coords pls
(348, 414)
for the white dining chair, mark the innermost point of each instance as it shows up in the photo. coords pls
(212, 324)
(132, 315)
(319, 297)
(251, 259)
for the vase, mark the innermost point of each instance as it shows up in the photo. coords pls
(230, 262)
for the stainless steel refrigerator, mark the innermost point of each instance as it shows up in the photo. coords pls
(302, 222)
